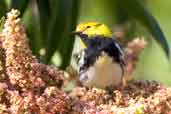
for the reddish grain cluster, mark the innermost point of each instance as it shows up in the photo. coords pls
(138, 97)
(26, 85)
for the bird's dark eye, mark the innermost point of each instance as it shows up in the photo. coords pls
(88, 26)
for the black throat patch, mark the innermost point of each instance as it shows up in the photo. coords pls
(97, 45)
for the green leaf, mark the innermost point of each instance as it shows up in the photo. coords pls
(56, 28)
(32, 30)
(2, 21)
(67, 40)
(135, 9)
(63, 23)
(3, 8)
(44, 18)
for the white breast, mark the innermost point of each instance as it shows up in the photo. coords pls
(103, 73)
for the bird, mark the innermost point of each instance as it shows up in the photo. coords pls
(100, 60)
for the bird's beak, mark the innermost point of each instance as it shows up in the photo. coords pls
(75, 33)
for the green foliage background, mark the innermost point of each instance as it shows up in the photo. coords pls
(50, 22)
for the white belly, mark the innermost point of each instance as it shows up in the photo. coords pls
(103, 73)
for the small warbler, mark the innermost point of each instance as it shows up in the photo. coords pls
(101, 59)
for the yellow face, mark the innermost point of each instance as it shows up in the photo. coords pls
(94, 29)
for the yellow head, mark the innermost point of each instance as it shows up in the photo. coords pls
(94, 29)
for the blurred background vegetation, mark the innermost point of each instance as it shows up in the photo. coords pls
(49, 23)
